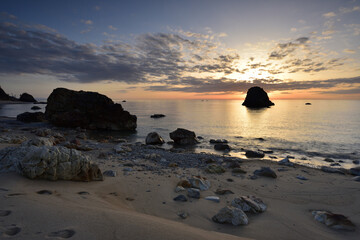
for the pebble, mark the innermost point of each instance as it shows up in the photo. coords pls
(213, 198)
(301, 177)
(180, 198)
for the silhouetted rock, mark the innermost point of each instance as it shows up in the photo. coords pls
(31, 117)
(307, 103)
(90, 110)
(256, 97)
(254, 154)
(222, 147)
(154, 138)
(183, 137)
(157, 115)
(4, 95)
(25, 97)
(35, 108)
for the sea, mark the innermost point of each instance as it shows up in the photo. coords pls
(308, 133)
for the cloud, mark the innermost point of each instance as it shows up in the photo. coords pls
(329, 15)
(97, 8)
(344, 91)
(346, 50)
(284, 49)
(293, 29)
(8, 16)
(349, 10)
(301, 21)
(112, 27)
(87, 22)
(327, 32)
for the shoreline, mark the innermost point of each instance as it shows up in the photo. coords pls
(138, 202)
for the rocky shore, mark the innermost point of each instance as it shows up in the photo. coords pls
(144, 191)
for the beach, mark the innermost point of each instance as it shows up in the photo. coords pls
(138, 202)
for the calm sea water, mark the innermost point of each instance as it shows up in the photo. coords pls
(325, 129)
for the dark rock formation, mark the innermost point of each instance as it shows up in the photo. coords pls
(334, 221)
(254, 154)
(154, 138)
(256, 97)
(31, 117)
(355, 171)
(221, 147)
(25, 97)
(89, 110)
(4, 95)
(157, 115)
(183, 137)
(35, 108)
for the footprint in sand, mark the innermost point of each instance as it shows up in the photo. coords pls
(44, 192)
(66, 233)
(12, 231)
(4, 213)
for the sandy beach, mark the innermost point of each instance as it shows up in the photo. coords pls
(138, 202)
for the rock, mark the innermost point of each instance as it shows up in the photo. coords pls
(183, 214)
(329, 160)
(184, 184)
(218, 141)
(109, 173)
(307, 103)
(82, 136)
(356, 161)
(286, 162)
(254, 154)
(49, 162)
(200, 183)
(179, 189)
(232, 215)
(25, 97)
(183, 137)
(256, 97)
(213, 198)
(335, 164)
(265, 172)
(173, 165)
(43, 132)
(35, 108)
(331, 170)
(335, 221)
(120, 148)
(301, 177)
(233, 164)
(154, 138)
(215, 169)
(180, 198)
(222, 147)
(4, 95)
(89, 110)
(249, 204)
(12, 139)
(355, 171)
(223, 191)
(238, 170)
(39, 141)
(193, 193)
(157, 115)
(31, 117)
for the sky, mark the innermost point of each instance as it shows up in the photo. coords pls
(182, 49)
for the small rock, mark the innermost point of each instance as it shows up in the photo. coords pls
(154, 138)
(120, 148)
(286, 162)
(355, 171)
(238, 170)
(222, 147)
(35, 108)
(301, 177)
(180, 198)
(179, 189)
(200, 183)
(335, 164)
(184, 184)
(356, 161)
(193, 193)
(254, 154)
(266, 172)
(223, 191)
(157, 115)
(213, 198)
(328, 160)
(128, 169)
(218, 141)
(173, 165)
(183, 137)
(232, 215)
(331, 170)
(332, 220)
(215, 169)
(183, 214)
(109, 173)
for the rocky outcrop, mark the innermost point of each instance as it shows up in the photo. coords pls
(49, 162)
(4, 95)
(183, 137)
(25, 97)
(256, 97)
(89, 110)
(154, 138)
(31, 117)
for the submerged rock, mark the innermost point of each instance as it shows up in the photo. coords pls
(89, 110)
(256, 97)
(232, 215)
(218, 141)
(31, 117)
(223, 191)
(183, 137)
(254, 154)
(154, 138)
(335, 221)
(49, 162)
(265, 172)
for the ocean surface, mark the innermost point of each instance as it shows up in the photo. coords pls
(309, 133)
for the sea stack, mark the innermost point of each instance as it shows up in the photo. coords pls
(256, 97)
(25, 97)
(89, 110)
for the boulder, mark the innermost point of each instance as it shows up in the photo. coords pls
(265, 172)
(49, 162)
(154, 138)
(183, 137)
(25, 97)
(222, 147)
(256, 97)
(335, 221)
(89, 110)
(232, 215)
(249, 204)
(254, 154)
(31, 117)
(355, 171)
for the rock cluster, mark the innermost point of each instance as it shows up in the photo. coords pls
(89, 110)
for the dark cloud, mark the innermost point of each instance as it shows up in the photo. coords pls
(282, 50)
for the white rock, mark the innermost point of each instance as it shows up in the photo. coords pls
(213, 198)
